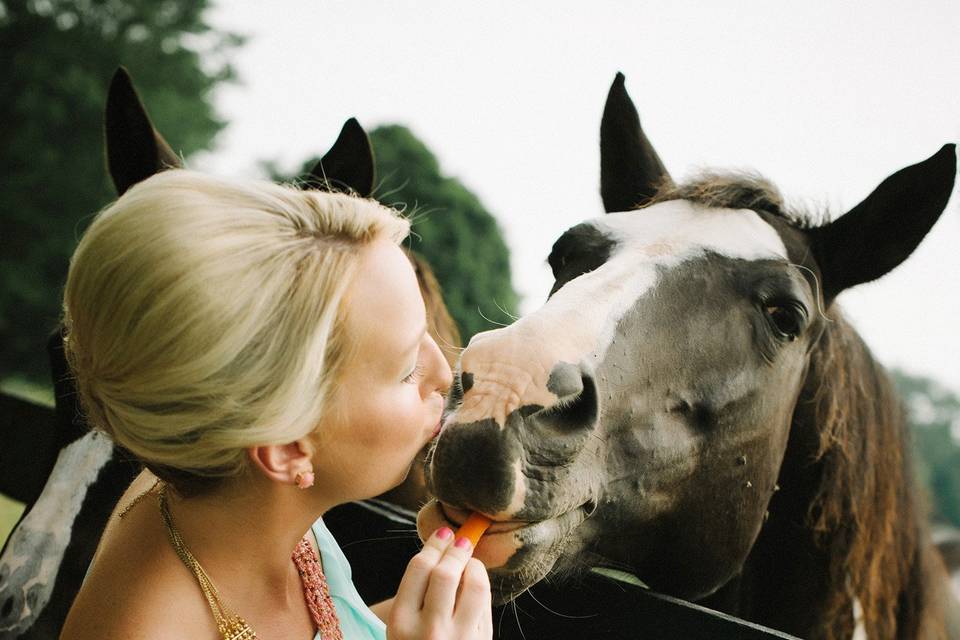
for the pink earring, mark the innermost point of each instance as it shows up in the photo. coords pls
(305, 479)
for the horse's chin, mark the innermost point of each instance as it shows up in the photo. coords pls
(517, 555)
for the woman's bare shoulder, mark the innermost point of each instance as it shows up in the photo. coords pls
(112, 615)
(137, 587)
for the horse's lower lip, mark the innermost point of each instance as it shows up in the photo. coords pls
(457, 516)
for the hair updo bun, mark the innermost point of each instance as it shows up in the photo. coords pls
(203, 316)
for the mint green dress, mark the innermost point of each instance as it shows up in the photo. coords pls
(357, 622)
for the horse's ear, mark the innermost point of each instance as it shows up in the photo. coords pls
(631, 172)
(348, 164)
(135, 150)
(883, 230)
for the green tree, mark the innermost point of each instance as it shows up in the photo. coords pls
(451, 229)
(58, 58)
(934, 413)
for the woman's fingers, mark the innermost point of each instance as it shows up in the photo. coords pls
(414, 583)
(443, 594)
(445, 579)
(473, 602)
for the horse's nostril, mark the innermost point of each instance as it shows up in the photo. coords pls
(7, 607)
(680, 406)
(456, 391)
(466, 381)
(698, 412)
(577, 392)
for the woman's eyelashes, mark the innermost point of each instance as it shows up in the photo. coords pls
(416, 375)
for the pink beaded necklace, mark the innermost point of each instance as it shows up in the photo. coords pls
(316, 591)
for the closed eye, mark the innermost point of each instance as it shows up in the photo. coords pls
(415, 376)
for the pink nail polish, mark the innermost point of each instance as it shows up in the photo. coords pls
(444, 533)
(462, 543)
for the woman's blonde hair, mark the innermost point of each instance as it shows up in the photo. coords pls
(204, 316)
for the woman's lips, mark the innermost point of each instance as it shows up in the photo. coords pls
(438, 427)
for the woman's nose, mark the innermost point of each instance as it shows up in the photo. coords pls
(439, 377)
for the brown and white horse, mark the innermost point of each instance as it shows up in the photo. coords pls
(691, 405)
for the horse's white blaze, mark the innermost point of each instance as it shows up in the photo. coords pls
(45, 531)
(577, 324)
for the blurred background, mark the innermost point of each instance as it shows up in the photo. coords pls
(484, 119)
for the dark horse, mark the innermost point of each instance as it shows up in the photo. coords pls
(46, 557)
(691, 405)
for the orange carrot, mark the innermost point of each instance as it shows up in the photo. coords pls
(473, 528)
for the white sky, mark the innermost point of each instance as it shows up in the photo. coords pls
(824, 98)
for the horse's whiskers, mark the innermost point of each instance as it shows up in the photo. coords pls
(504, 311)
(499, 324)
(516, 615)
(378, 539)
(502, 613)
(446, 345)
(557, 613)
(375, 192)
(818, 292)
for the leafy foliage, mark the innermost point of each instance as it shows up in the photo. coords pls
(934, 414)
(452, 230)
(58, 57)
(458, 237)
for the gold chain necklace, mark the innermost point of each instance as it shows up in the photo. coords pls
(230, 625)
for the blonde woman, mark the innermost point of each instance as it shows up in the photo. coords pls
(379, 536)
(263, 351)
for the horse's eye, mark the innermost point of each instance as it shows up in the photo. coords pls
(787, 319)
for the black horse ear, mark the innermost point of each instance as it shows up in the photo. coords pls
(135, 150)
(348, 165)
(883, 230)
(631, 172)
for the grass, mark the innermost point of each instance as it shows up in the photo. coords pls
(10, 511)
(22, 388)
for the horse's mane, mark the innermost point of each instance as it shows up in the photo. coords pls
(866, 513)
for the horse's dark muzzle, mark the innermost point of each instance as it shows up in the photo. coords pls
(475, 465)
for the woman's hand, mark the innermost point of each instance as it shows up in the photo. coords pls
(444, 594)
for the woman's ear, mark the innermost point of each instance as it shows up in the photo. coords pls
(283, 462)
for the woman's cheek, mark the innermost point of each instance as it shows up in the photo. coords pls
(395, 416)
(408, 419)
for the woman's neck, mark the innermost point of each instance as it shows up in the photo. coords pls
(245, 534)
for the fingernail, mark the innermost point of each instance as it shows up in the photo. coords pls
(444, 533)
(462, 543)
